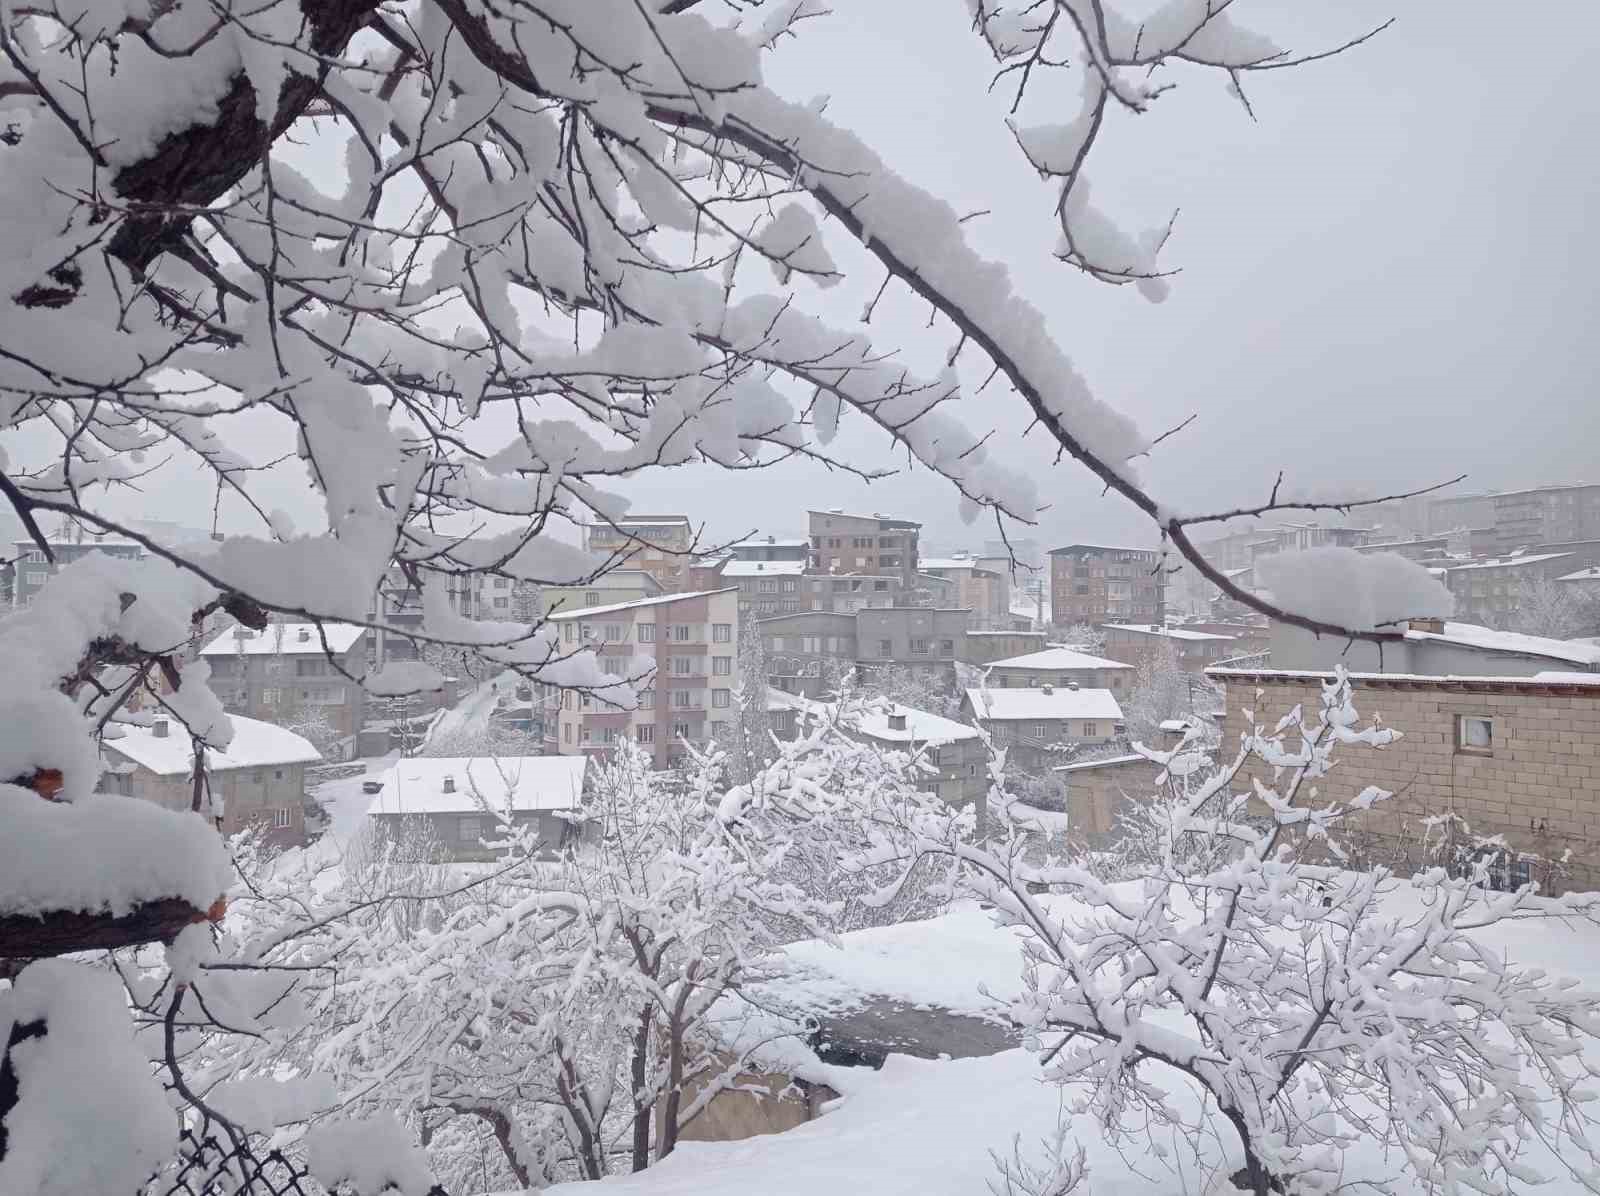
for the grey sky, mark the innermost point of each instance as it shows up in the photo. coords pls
(1387, 279)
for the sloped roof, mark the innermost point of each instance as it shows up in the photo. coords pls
(298, 639)
(255, 744)
(416, 786)
(1006, 705)
(1470, 635)
(589, 612)
(1059, 658)
(1176, 633)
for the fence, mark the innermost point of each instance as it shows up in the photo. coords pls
(205, 1166)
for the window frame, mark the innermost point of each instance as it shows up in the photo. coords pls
(1462, 747)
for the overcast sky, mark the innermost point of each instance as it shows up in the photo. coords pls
(1386, 279)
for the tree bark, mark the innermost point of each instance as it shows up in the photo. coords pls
(62, 932)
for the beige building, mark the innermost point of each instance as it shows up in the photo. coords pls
(682, 650)
(1096, 794)
(1062, 668)
(257, 781)
(618, 585)
(661, 545)
(864, 544)
(986, 592)
(1513, 756)
(1093, 583)
(1196, 650)
(1036, 724)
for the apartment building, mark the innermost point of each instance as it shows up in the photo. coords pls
(1196, 650)
(1061, 668)
(856, 591)
(984, 590)
(771, 548)
(923, 638)
(661, 545)
(1545, 514)
(985, 647)
(806, 651)
(31, 569)
(1453, 511)
(1095, 583)
(1512, 756)
(684, 651)
(285, 671)
(1036, 725)
(257, 781)
(609, 589)
(868, 545)
(1491, 591)
(768, 588)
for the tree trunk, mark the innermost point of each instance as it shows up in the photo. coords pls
(641, 1107)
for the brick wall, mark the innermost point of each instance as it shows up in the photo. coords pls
(1539, 785)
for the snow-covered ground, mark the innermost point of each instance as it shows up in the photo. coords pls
(927, 1127)
(345, 803)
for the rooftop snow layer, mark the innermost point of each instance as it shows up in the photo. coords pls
(1006, 705)
(295, 639)
(255, 744)
(526, 783)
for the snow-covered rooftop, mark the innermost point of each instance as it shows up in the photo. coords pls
(1510, 562)
(417, 786)
(1470, 635)
(951, 562)
(295, 639)
(1044, 703)
(1176, 633)
(920, 726)
(772, 542)
(589, 612)
(255, 744)
(1590, 574)
(1059, 658)
(763, 568)
(1108, 762)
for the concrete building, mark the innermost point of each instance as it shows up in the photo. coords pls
(923, 638)
(1455, 511)
(1062, 668)
(1513, 756)
(661, 545)
(771, 548)
(868, 545)
(1424, 550)
(805, 651)
(257, 781)
(31, 569)
(284, 671)
(1435, 647)
(1546, 514)
(1583, 584)
(1491, 591)
(1093, 583)
(1196, 650)
(856, 591)
(768, 588)
(985, 591)
(1034, 725)
(682, 650)
(461, 800)
(1097, 793)
(985, 647)
(618, 585)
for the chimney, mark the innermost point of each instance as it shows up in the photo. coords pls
(1432, 626)
(1049, 689)
(772, 539)
(160, 728)
(897, 722)
(449, 784)
(305, 635)
(760, 565)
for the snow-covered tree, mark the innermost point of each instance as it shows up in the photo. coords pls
(1245, 979)
(932, 690)
(1161, 690)
(1086, 637)
(1548, 608)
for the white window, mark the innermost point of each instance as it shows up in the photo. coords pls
(571, 632)
(680, 698)
(1040, 730)
(767, 585)
(591, 597)
(280, 817)
(719, 698)
(1090, 730)
(647, 732)
(646, 633)
(501, 583)
(270, 697)
(613, 633)
(680, 632)
(790, 585)
(647, 699)
(722, 666)
(608, 735)
(722, 633)
(584, 734)
(1475, 734)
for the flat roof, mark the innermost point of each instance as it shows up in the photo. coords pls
(1059, 658)
(763, 568)
(1509, 562)
(1098, 548)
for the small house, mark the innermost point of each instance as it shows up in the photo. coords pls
(462, 799)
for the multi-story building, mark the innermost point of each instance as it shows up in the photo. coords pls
(1423, 550)
(258, 780)
(871, 545)
(854, 592)
(1491, 591)
(1061, 668)
(771, 548)
(286, 671)
(985, 647)
(1450, 512)
(923, 638)
(1037, 725)
(806, 652)
(32, 569)
(661, 545)
(1094, 583)
(768, 588)
(617, 585)
(986, 592)
(1547, 514)
(681, 652)
(1196, 650)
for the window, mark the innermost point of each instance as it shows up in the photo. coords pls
(591, 597)
(647, 732)
(647, 699)
(680, 730)
(258, 775)
(608, 735)
(947, 647)
(919, 646)
(680, 698)
(566, 733)
(277, 774)
(646, 633)
(1090, 730)
(719, 729)
(583, 734)
(280, 818)
(502, 603)
(885, 647)
(789, 585)
(722, 666)
(470, 828)
(613, 632)
(682, 666)
(309, 668)
(880, 586)
(721, 633)
(767, 585)
(1040, 730)
(680, 632)
(571, 630)
(270, 697)
(719, 698)
(1475, 734)
(585, 701)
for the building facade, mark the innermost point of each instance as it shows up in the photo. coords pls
(768, 588)
(1091, 583)
(618, 585)
(661, 545)
(683, 652)
(985, 647)
(771, 548)
(257, 782)
(1036, 725)
(1436, 647)
(985, 591)
(806, 652)
(289, 669)
(1061, 668)
(923, 638)
(1196, 650)
(1491, 592)
(1546, 514)
(868, 545)
(31, 569)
